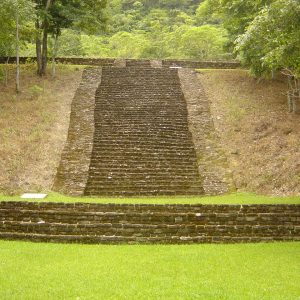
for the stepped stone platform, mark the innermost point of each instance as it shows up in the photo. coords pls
(148, 224)
(142, 144)
(137, 129)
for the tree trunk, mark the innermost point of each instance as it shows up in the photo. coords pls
(17, 53)
(44, 49)
(54, 53)
(6, 71)
(38, 45)
(42, 46)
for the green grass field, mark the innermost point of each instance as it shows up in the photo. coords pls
(238, 198)
(244, 271)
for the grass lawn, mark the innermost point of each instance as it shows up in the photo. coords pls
(243, 271)
(238, 198)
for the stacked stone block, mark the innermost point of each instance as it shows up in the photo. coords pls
(126, 223)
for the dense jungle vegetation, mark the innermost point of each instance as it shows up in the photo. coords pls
(264, 34)
(147, 29)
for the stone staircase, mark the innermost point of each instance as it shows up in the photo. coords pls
(142, 144)
(138, 63)
(126, 223)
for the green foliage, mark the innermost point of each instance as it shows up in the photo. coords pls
(69, 43)
(147, 29)
(93, 46)
(272, 40)
(135, 29)
(125, 44)
(9, 10)
(87, 16)
(234, 15)
(204, 42)
(35, 91)
(207, 12)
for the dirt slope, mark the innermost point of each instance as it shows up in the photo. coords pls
(33, 128)
(261, 139)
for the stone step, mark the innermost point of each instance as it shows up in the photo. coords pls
(137, 151)
(141, 187)
(261, 210)
(138, 184)
(134, 134)
(144, 230)
(145, 146)
(141, 80)
(160, 135)
(150, 166)
(115, 192)
(125, 184)
(147, 149)
(142, 117)
(112, 153)
(158, 110)
(158, 218)
(156, 122)
(132, 124)
(139, 173)
(250, 213)
(116, 177)
(139, 240)
(151, 159)
(131, 159)
(141, 169)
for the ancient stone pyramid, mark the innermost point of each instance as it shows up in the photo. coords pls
(142, 144)
(129, 135)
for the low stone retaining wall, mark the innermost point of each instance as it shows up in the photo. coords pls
(212, 162)
(202, 64)
(129, 223)
(134, 62)
(74, 166)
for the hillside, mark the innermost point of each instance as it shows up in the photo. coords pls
(146, 29)
(261, 139)
(33, 127)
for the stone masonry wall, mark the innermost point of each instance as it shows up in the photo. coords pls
(212, 161)
(129, 62)
(73, 170)
(145, 223)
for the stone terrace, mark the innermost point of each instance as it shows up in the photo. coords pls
(169, 224)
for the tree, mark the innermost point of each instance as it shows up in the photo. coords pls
(272, 42)
(54, 15)
(235, 15)
(209, 12)
(7, 35)
(204, 42)
(15, 16)
(128, 45)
